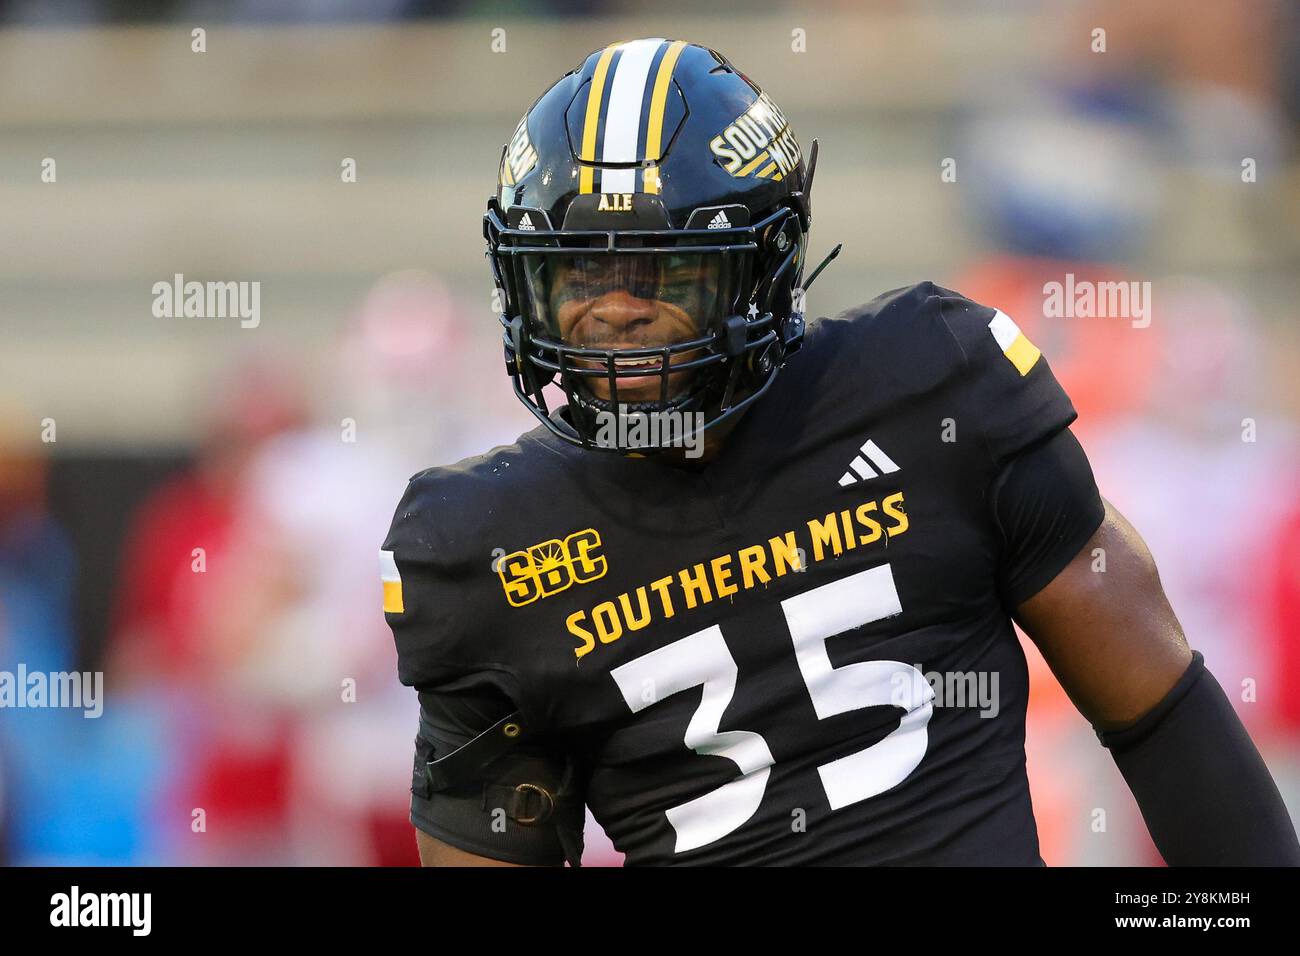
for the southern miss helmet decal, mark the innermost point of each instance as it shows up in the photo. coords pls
(648, 238)
(759, 143)
(518, 159)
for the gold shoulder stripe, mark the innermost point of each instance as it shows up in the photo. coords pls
(392, 581)
(1020, 352)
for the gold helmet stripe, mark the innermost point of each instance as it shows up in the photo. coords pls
(591, 122)
(658, 103)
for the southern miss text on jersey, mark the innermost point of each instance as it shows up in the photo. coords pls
(731, 661)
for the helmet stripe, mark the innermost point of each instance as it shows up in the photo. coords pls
(658, 103)
(752, 164)
(623, 115)
(591, 122)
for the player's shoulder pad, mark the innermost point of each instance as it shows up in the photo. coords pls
(448, 510)
(439, 552)
(1007, 390)
(990, 340)
(442, 509)
(920, 320)
(926, 340)
(894, 348)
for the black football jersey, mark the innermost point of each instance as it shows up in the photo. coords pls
(800, 652)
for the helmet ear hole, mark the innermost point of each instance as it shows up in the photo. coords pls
(779, 236)
(782, 259)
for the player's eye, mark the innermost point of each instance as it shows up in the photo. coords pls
(683, 281)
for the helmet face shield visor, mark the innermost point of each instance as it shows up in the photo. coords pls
(668, 323)
(630, 299)
(633, 325)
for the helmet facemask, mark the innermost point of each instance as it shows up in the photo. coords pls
(646, 321)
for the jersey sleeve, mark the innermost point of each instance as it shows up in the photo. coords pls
(1006, 389)
(425, 565)
(1046, 505)
(523, 807)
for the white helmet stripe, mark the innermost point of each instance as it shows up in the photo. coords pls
(627, 105)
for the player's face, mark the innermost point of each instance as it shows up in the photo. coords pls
(634, 301)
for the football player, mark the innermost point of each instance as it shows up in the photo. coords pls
(729, 594)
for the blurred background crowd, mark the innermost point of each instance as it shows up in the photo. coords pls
(204, 527)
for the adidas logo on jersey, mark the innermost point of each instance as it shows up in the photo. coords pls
(526, 223)
(720, 221)
(860, 470)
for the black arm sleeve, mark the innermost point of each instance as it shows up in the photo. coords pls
(1204, 791)
(479, 815)
(1046, 504)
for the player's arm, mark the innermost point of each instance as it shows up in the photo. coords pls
(484, 790)
(1107, 631)
(433, 852)
(488, 786)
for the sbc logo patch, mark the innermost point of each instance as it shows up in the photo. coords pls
(550, 567)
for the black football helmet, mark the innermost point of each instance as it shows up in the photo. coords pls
(648, 240)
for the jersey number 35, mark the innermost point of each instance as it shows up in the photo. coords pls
(812, 617)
